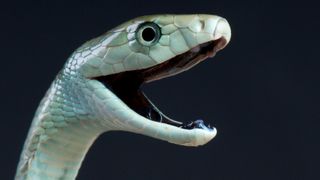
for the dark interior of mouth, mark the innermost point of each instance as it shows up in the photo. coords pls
(127, 85)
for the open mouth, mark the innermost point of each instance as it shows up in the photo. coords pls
(127, 85)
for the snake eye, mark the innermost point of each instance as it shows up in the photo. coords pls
(148, 33)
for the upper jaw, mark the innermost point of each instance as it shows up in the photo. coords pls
(184, 61)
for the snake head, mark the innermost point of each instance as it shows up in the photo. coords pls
(142, 50)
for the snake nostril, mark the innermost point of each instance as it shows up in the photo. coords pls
(202, 24)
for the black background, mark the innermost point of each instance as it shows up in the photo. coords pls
(261, 92)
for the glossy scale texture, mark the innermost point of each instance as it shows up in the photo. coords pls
(77, 108)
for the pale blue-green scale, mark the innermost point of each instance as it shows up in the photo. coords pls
(96, 46)
(119, 67)
(196, 26)
(47, 124)
(177, 43)
(59, 118)
(86, 52)
(164, 40)
(132, 27)
(160, 53)
(116, 55)
(135, 46)
(202, 37)
(185, 21)
(100, 52)
(168, 29)
(90, 71)
(131, 62)
(189, 37)
(49, 156)
(94, 62)
(108, 38)
(164, 20)
(131, 36)
(106, 68)
(59, 121)
(120, 39)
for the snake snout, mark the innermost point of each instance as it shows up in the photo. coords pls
(222, 34)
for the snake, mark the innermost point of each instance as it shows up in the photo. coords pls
(99, 90)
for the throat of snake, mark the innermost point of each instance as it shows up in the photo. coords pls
(58, 156)
(60, 136)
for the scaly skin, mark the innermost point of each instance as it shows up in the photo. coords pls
(77, 108)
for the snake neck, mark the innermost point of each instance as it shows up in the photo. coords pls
(60, 155)
(61, 134)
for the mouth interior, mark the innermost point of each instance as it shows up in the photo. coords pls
(127, 85)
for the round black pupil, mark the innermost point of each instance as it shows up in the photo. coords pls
(148, 34)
